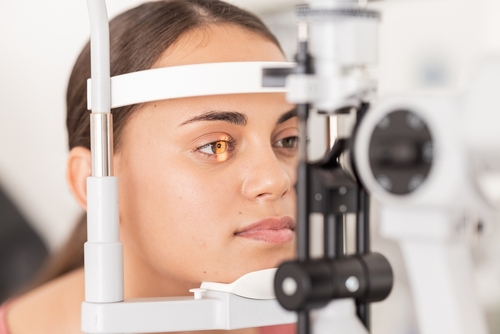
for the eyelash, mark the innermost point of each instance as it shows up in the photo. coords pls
(231, 143)
(295, 144)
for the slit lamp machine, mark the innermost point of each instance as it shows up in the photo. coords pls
(420, 157)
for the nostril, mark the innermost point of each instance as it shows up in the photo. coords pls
(264, 195)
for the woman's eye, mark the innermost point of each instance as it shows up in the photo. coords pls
(288, 142)
(217, 147)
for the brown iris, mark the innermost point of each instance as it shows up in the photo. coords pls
(289, 142)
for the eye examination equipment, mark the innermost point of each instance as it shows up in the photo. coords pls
(342, 40)
(214, 306)
(420, 157)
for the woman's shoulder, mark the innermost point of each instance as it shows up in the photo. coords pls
(3, 318)
(51, 308)
(279, 329)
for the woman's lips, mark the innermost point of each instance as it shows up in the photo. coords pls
(271, 230)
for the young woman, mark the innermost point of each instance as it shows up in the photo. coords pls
(206, 183)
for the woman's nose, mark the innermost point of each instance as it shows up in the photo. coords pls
(265, 176)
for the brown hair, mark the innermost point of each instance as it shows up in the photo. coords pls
(138, 38)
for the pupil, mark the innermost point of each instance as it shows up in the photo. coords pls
(219, 147)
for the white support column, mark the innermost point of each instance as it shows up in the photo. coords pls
(439, 266)
(103, 250)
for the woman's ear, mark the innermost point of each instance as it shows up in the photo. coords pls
(78, 169)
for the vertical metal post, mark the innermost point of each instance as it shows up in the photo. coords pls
(302, 229)
(363, 246)
(363, 223)
(333, 233)
(304, 322)
(303, 210)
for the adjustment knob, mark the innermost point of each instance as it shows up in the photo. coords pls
(303, 285)
(313, 283)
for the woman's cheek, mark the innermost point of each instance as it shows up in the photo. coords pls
(195, 201)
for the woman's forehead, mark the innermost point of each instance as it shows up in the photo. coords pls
(219, 43)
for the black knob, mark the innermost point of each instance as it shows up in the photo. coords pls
(305, 285)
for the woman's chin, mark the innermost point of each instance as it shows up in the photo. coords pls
(273, 262)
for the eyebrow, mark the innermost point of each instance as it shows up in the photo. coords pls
(232, 117)
(286, 116)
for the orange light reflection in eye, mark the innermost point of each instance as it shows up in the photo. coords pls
(222, 157)
(220, 147)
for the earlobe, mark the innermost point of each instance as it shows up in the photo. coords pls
(78, 169)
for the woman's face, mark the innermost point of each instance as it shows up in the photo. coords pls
(207, 183)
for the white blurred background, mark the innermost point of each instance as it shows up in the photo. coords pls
(423, 43)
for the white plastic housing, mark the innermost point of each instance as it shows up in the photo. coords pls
(428, 223)
(441, 277)
(216, 310)
(255, 285)
(102, 213)
(100, 68)
(480, 117)
(447, 180)
(344, 42)
(339, 316)
(337, 46)
(103, 250)
(103, 272)
(189, 80)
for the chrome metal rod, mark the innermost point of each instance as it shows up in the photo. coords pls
(101, 144)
